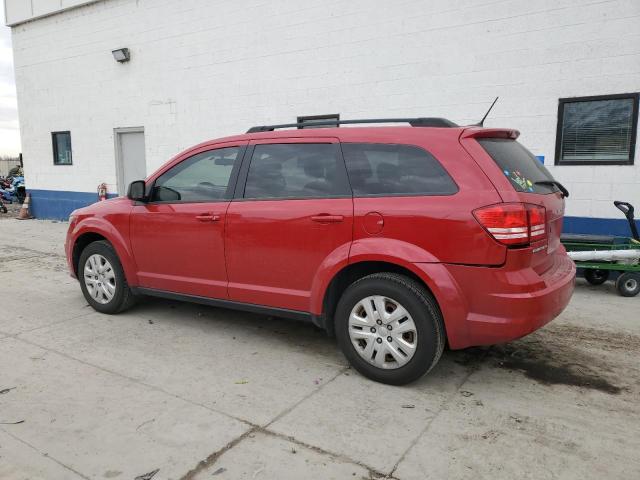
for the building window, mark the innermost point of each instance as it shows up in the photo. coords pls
(597, 130)
(61, 148)
(309, 121)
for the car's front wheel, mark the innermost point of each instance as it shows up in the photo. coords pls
(390, 328)
(102, 279)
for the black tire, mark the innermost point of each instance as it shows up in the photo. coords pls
(422, 307)
(628, 284)
(123, 297)
(595, 276)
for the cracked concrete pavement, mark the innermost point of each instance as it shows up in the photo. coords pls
(198, 392)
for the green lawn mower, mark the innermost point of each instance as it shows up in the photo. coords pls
(599, 255)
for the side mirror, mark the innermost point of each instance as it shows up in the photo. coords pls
(136, 191)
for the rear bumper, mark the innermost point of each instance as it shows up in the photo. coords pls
(485, 306)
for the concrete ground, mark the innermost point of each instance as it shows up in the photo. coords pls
(193, 392)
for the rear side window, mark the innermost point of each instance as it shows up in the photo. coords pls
(519, 165)
(383, 169)
(296, 170)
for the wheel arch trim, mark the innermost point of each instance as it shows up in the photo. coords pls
(114, 237)
(434, 276)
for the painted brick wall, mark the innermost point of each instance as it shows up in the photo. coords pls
(17, 11)
(202, 69)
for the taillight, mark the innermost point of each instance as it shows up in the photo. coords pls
(513, 223)
(537, 222)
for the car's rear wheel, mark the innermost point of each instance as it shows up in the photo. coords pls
(595, 276)
(390, 328)
(102, 279)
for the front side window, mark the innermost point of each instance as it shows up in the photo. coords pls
(597, 130)
(389, 169)
(302, 170)
(61, 148)
(200, 178)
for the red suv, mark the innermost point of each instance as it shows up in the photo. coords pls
(397, 239)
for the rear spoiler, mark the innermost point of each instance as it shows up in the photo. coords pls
(477, 132)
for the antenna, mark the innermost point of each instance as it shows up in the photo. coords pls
(481, 122)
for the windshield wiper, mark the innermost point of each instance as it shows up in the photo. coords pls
(565, 192)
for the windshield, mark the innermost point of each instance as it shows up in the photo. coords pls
(519, 165)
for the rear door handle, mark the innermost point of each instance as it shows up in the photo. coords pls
(208, 217)
(325, 218)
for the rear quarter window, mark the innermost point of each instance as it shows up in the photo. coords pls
(390, 169)
(519, 165)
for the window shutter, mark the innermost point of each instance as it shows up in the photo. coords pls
(598, 131)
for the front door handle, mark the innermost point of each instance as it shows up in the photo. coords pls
(325, 218)
(208, 217)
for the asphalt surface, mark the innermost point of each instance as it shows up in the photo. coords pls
(198, 392)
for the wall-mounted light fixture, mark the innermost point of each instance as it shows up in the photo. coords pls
(121, 55)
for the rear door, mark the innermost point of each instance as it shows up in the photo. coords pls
(293, 210)
(520, 177)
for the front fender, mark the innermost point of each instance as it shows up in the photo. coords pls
(118, 237)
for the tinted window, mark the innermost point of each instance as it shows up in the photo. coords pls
(200, 178)
(303, 170)
(380, 169)
(519, 165)
(61, 148)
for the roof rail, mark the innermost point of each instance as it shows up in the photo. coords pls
(414, 122)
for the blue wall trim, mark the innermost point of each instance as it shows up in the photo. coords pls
(58, 204)
(55, 204)
(598, 226)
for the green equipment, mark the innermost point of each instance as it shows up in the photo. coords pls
(599, 255)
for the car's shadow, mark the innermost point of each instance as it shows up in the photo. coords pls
(549, 356)
(284, 335)
(283, 332)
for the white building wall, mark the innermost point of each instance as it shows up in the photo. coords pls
(201, 69)
(17, 11)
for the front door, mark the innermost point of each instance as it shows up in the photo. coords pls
(178, 236)
(293, 210)
(130, 157)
